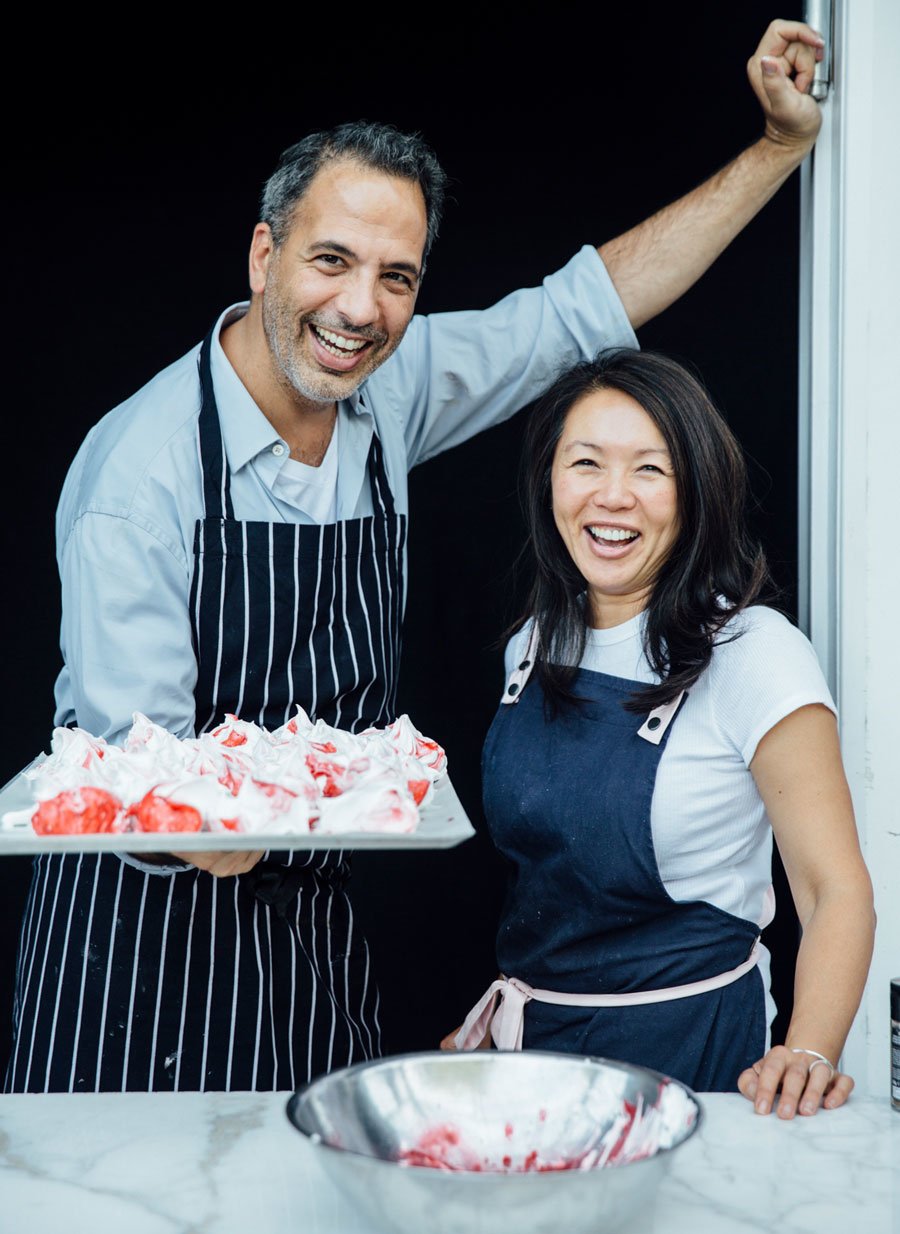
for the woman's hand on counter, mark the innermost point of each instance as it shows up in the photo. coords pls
(803, 1087)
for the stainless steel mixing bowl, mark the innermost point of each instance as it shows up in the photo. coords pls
(501, 1105)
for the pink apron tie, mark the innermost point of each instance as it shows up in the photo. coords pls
(502, 1006)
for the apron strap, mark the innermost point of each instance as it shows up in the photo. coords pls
(213, 463)
(654, 727)
(501, 1009)
(518, 678)
(382, 497)
(506, 1021)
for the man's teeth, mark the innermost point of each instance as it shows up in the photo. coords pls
(338, 344)
(612, 533)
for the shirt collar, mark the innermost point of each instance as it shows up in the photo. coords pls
(245, 430)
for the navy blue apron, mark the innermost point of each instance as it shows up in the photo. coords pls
(568, 805)
(128, 980)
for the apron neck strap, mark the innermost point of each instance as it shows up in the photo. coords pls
(382, 497)
(518, 678)
(213, 463)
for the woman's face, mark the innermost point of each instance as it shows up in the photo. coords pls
(614, 501)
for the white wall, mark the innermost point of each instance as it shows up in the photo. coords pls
(850, 440)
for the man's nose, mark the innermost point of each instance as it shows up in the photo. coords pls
(358, 299)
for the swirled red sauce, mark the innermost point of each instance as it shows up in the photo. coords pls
(79, 811)
(418, 788)
(153, 813)
(328, 775)
(280, 796)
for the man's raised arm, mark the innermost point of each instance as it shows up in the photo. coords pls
(654, 263)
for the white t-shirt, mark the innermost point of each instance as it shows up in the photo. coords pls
(711, 834)
(312, 489)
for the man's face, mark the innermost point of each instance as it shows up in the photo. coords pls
(339, 292)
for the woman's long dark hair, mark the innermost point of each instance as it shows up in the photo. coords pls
(714, 568)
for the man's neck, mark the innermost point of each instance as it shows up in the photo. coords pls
(304, 424)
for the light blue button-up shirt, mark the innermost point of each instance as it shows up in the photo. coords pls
(126, 518)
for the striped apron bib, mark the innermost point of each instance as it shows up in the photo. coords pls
(134, 981)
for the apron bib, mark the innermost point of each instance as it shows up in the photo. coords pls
(568, 804)
(127, 980)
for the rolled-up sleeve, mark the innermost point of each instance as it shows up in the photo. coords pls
(126, 632)
(459, 373)
(125, 635)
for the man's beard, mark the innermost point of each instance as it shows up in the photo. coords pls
(285, 332)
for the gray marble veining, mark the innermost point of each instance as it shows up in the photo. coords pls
(223, 1163)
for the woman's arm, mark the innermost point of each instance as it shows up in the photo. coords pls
(798, 771)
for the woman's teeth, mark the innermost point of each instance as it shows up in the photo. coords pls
(612, 533)
(338, 344)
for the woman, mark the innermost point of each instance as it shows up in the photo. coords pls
(656, 728)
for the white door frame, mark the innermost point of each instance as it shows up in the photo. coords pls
(849, 484)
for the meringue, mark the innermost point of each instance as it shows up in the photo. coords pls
(302, 777)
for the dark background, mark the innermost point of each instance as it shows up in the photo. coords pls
(133, 199)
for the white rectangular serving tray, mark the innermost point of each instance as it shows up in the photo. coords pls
(443, 823)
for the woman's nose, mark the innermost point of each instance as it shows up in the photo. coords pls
(614, 492)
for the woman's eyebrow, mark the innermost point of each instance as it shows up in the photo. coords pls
(583, 445)
(592, 445)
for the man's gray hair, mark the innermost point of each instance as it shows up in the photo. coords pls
(379, 146)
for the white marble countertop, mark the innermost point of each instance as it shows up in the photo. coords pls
(217, 1163)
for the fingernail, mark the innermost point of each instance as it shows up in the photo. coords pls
(762, 1106)
(768, 67)
(785, 1109)
(808, 1107)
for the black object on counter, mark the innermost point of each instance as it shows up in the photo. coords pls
(895, 1043)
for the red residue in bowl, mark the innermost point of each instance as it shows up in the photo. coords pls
(442, 1148)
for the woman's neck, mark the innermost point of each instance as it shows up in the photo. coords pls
(607, 611)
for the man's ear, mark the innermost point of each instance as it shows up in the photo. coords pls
(262, 249)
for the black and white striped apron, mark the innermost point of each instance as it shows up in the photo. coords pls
(134, 981)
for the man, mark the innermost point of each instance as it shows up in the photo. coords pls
(232, 539)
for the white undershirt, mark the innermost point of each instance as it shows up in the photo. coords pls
(312, 489)
(711, 834)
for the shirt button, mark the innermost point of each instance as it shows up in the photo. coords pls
(278, 449)
(654, 723)
(513, 689)
(525, 664)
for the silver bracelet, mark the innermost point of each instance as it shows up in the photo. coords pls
(819, 1058)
